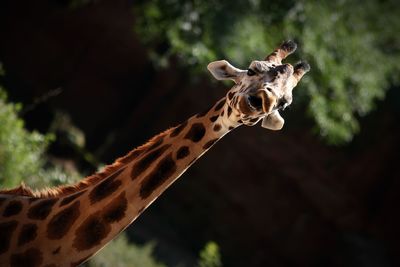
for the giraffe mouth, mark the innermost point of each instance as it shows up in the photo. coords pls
(259, 102)
(255, 102)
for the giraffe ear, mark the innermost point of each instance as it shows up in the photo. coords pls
(273, 121)
(223, 70)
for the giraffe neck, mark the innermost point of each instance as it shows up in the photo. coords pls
(68, 230)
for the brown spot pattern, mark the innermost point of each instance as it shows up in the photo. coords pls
(106, 187)
(178, 129)
(41, 210)
(27, 234)
(210, 143)
(6, 231)
(70, 198)
(97, 226)
(233, 102)
(131, 155)
(31, 257)
(230, 95)
(217, 127)
(164, 169)
(13, 208)
(182, 152)
(60, 224)
(91, 232)
(196, 132)
(214, 118)
(229, 111)
(115, 210)
(147, 160)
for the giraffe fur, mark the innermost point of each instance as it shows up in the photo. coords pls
(66, 225)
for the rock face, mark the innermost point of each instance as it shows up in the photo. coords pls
(267, 198)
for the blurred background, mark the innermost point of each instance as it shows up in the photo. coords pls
(85, 81)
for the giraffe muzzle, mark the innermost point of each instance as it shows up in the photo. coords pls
(261, 101)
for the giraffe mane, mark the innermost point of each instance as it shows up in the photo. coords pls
(63, 190)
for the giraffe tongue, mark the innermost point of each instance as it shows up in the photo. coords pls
(273, 121)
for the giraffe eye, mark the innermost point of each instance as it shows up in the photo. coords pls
(251, 72)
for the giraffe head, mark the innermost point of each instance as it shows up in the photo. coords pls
(264, 89)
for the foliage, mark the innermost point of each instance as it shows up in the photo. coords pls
(121, 253)
(20, 151)
(22, 158)
(210, 256)
(352, 46)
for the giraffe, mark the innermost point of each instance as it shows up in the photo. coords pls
(66, 225)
